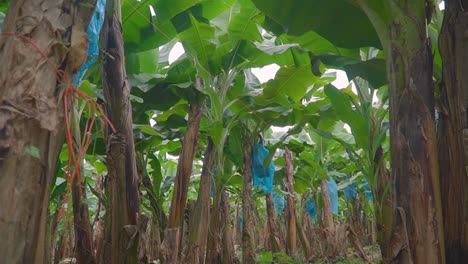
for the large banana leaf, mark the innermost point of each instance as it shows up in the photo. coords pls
(374, 71)
(290, 84)
(243, 25)
(339, 21)
(343, 107)
(212, 8)
(198, 41)
(142, 31)
(168, 9)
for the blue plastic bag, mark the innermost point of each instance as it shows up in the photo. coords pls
(350, 192)
(262, 177)
(279, 202)
(94, 28)
(333, 193)
(368, 192)
(311, 209)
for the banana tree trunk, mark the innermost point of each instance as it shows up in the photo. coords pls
(414, 160)
(329, 225)
(308, 253)
(415, 171)
(276, 236)
(184, 167)
(123, 178)
(354, 239)
(248, 235)
(32, 52)
(101, 227)
(198, 233)
(170, 246)
(214, 234)
(452, 126)
(215, 237)
(228, 252)
(402, 30)
(291, 237)
(82, 224)
(154, 241)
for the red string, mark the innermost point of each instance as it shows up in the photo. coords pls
(71, 93)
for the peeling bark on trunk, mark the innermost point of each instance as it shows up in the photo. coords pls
(248, 236)
(451, 126)
(31, 115)
(184, 167)
(123, 176)
(198, 233)
(182, 180)
(414, 161)
(291, 237)
(413, 145)
(276, 236)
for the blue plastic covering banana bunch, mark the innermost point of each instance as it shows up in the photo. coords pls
(332, 187)
(311, 209)
(333, 193)
(279, 202)
(93, 31)
(262, 177)
(350, 192)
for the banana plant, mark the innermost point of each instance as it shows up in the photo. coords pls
(408, 57)
(219, 52)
